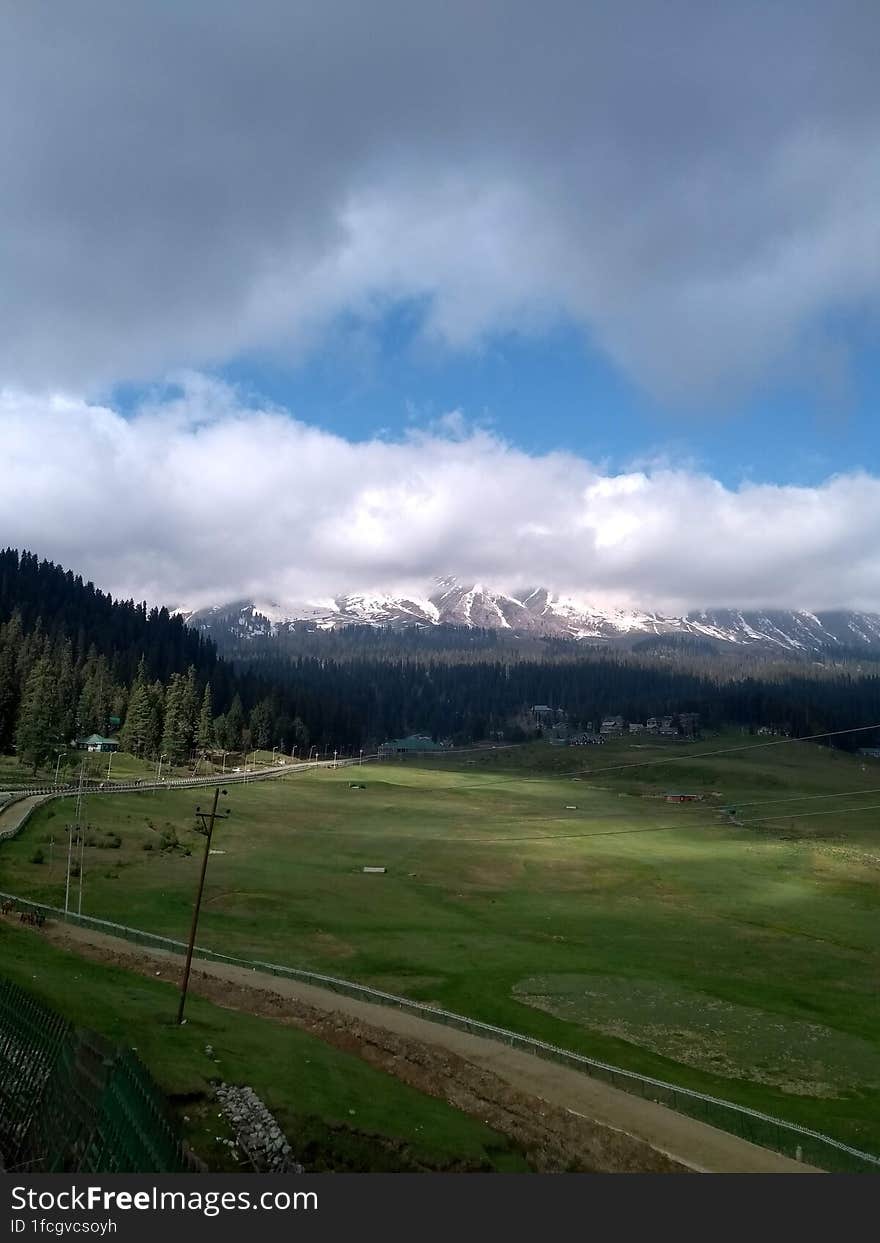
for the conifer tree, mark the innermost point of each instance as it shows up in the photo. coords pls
(174, 734)
(205, 733)
(138, 729)
(157, 717)
(36, 731)
(234, 724)
(300, 735)
(189, 710)
(261, 724)
(11, 639)
(65, 693)
(95, 697)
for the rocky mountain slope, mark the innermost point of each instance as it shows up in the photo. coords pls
(536, 612)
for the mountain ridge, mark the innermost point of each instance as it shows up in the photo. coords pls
(536, 612)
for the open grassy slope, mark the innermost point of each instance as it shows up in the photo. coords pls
(739, 959)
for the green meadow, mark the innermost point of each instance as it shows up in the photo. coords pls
(549, 890)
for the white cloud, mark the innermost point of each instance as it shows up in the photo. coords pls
(204, 499)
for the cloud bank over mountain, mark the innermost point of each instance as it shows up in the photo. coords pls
(202, 497)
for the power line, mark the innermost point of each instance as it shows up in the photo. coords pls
(755, 746)
(801, 798)
(652, 828)
(803, 815)
(688, 755)
(555, 837)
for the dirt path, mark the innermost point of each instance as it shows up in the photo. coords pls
(563, 1118)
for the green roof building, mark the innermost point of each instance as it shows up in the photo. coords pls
(96, 742)
(415, 744)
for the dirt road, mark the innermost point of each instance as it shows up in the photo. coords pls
(562, 1117)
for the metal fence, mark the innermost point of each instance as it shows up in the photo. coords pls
(787, 1138)
(94, 785)
(70, 1102)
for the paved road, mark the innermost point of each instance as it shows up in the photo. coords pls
(702, 1147)
(13, 815)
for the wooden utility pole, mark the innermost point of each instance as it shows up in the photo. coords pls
(207, 818)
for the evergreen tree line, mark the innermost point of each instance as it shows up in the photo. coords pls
(75, 662)
(467, 700)
(50, 697)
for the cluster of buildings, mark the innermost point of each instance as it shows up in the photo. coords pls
(666, 726)
(554, 722)
(682, 724)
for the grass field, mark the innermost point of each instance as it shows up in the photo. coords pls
(341, 1113)
(576, 906)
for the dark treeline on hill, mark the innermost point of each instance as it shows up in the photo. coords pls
(63, 606)
(75, 662)
(472, 699)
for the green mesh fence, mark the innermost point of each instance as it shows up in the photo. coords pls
(71, 1102)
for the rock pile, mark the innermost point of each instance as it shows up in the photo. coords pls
(257, 1133)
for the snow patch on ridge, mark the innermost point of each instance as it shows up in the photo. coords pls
(536, 611)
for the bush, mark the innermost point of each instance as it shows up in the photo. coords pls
(38, 856)
(147, 846)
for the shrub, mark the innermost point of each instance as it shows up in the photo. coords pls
(38, 856)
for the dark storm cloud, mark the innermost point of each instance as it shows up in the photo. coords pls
(695, 184)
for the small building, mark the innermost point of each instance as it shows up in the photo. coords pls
(611, 725)
(636, 727)
(96, 742)
(873, 752)
(414, 744)
(684, 798)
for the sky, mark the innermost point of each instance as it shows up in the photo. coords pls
(307, 298)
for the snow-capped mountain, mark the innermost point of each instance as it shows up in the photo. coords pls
(536, 612)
